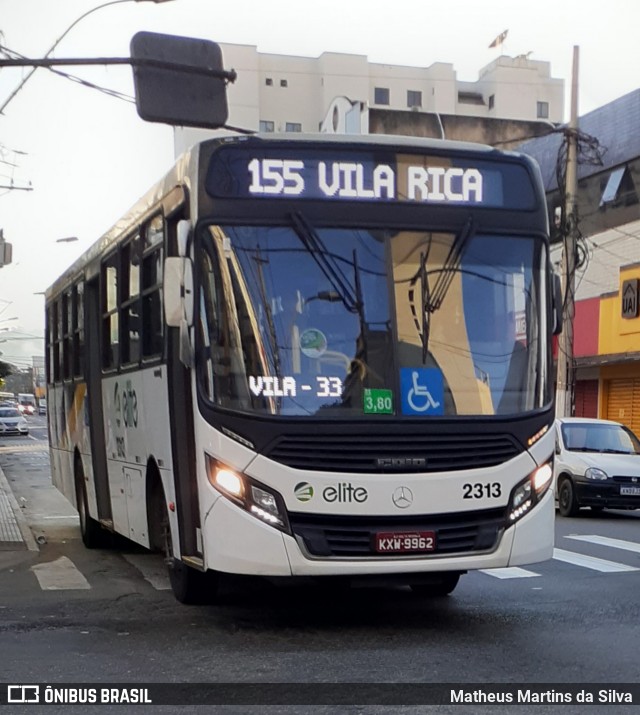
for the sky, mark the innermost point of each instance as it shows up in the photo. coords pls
(87, 156)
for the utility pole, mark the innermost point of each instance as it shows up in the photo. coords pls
(565, 376)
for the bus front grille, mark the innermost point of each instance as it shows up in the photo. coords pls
(371, 453)
(326, 535)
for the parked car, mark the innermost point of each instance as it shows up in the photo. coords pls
(42, 406)
(12, 422)
(597, 464)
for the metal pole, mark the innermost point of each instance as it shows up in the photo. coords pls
(565, 377)
(25, 79)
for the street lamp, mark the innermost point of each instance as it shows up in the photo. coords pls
(68, 239)
(62, 36)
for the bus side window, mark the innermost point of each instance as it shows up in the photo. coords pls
(67, 334)
(110, 324)
(209, 325)
(152, 319)
(130, 309)
(78, 330)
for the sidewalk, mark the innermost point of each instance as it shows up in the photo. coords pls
(15, 534)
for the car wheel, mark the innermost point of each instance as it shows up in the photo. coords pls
(443, 586)
(567, 501)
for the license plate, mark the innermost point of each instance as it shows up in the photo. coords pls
(402, 542)
(631, 491)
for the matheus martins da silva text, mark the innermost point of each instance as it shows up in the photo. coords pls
(605, 695)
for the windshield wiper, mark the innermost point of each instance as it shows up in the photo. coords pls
(432, 298)
(327, 263)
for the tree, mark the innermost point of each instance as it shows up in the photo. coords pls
(5, 369)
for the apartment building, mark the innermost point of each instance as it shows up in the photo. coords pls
(336, 91)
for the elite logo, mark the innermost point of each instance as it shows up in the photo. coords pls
(303, 491)
(343, 492)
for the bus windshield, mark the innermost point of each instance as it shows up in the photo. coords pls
(354, 323)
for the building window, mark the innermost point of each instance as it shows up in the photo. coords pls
(470, 98)
(543, 110)
(414, 99)
(293, 127)
(492, 101)
(619, 189)
(284, 83)
(381, 95)
(266, 126)
(269, 82)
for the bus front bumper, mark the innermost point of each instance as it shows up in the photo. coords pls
(236, 542)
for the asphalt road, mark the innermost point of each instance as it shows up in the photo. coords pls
(72, 615)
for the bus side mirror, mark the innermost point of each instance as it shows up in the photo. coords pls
(178, 291)
(557, 304)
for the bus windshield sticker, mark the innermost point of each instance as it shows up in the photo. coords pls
(378, 402)
(313, 343)
(422, 391)
(368, 176)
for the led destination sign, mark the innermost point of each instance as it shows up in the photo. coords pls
(335, 174)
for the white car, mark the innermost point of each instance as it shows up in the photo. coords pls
(12, 422)
(597, 464)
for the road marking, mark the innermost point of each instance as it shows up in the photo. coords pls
(510, 572)
(606, 541)
(152, 568)
(60, 575)
(590, 562)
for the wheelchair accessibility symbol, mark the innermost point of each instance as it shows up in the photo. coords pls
(422, 391)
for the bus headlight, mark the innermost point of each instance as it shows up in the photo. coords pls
(259, 500)
(529, 491)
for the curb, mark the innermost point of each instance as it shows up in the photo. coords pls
(27, 537)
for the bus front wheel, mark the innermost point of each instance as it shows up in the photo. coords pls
(441, 586)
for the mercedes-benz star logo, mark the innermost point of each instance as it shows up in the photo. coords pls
(402, 497)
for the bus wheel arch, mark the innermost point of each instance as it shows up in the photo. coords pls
(93, 535)
(155, 495)
(189, 585)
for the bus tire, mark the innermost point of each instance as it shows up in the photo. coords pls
(93, 535)
(189, 586)
(442, 586)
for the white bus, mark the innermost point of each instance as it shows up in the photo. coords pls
(313, 356)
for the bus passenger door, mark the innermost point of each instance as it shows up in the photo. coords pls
(181, 406)
(93, 357)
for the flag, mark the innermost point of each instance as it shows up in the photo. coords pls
(499, 39)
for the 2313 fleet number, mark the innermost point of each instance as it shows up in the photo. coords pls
(489, 490)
